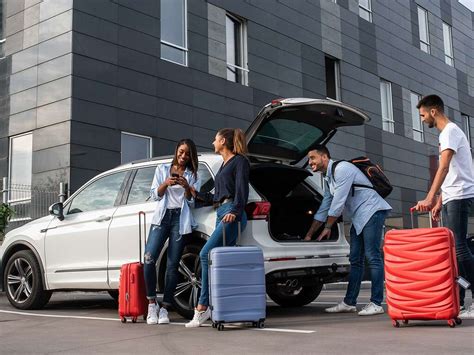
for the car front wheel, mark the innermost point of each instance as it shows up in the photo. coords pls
(292, 294)
(23, 281)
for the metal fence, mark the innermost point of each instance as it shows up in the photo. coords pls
(28, 202)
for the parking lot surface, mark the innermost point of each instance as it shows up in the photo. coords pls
(87, 323)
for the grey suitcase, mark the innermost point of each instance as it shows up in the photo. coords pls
(237, 285)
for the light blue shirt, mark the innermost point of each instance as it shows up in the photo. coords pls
(338, 197)
(186, 219)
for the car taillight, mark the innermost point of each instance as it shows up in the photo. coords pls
(258, 210)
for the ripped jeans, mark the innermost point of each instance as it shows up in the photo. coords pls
(169, 227)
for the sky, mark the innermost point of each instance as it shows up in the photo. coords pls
(468, 3)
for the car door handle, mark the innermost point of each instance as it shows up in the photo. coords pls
(103, 219)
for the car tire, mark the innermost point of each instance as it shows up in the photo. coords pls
(114, 294)
(24, 283)
(188, 288)
(294, 297)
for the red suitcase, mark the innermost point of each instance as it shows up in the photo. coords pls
(132, 293)
(420, 275)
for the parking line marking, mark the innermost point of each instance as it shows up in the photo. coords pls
(282, 330)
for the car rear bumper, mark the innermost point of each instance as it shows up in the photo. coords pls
(320, 274)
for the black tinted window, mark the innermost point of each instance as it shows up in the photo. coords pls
(100, 194)
(140, 191)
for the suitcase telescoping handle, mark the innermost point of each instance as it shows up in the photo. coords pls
(141, 215)
(223, 233)
(412, 212)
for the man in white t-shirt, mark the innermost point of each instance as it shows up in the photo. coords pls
(455, 177)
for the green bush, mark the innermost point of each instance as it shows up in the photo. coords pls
(5, 214)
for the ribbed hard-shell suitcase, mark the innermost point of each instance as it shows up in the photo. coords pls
(237, 286)
(132, 292)
(420, 275)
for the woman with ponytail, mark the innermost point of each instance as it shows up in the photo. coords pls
(229, 200)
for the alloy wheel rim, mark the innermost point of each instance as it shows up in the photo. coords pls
(20, 280)
(188, 289)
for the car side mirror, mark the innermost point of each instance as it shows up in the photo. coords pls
(57, 210)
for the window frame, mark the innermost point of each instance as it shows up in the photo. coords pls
(337, 77)
(366, 10)
(150, 153)
(176, 46)
(424, 42)
(448, 57)
(242, 36)
(466, 124)
(417, 116)
(387, 120)
(128, 188)
(10, 160)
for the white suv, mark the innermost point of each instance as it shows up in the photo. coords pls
(84, 241)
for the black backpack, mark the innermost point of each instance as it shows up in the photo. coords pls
(374, 173)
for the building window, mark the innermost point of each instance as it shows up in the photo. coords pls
(365, 9)
(423, 30)
(466, 124)
(418, 134)
(19, 172)
(174, 41)
(448, 44)
(387, 107)
(236, 47)
(333, 85)
(135, 147)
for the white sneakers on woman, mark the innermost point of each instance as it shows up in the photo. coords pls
(199, 318)
(157, 315)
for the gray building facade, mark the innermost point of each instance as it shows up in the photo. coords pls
(77, 77)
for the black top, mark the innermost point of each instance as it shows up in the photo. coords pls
(232, 181)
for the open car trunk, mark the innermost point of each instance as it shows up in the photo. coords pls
(293, 202)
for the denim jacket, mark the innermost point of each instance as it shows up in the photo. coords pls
(186, 220)
(360, 206)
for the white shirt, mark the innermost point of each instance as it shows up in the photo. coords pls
(175, 196)
(459, 182)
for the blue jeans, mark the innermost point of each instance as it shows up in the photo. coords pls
(455, 217)
(216, 240)
(367, 244)
(169, 227)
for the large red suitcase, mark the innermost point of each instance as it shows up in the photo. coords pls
(420, 275)
(132, 293)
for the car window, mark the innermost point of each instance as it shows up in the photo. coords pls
(100, 194)
(207, 181)
(140, 191)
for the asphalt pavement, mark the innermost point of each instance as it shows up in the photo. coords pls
(87, 323)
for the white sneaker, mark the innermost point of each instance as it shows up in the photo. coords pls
(341, 308)
(467, 313)
(163, 316)
(371, 309)
(199, 318)
(152, 317)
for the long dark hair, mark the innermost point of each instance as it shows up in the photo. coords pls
(192, 164)
(234, 140)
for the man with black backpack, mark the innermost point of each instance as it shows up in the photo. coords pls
(354, 189)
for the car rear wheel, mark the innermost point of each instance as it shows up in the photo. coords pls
(23, 281)
(188, 288)
(291, 293)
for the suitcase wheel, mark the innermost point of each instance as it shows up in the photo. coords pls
(452, 323)
(458, 321)
(220, 327)
(123, 320)
(214, 325)
(395, 323)
(134, 319)
(261, 324)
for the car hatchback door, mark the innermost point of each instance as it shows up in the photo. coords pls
(76, 247)
(288, 129)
